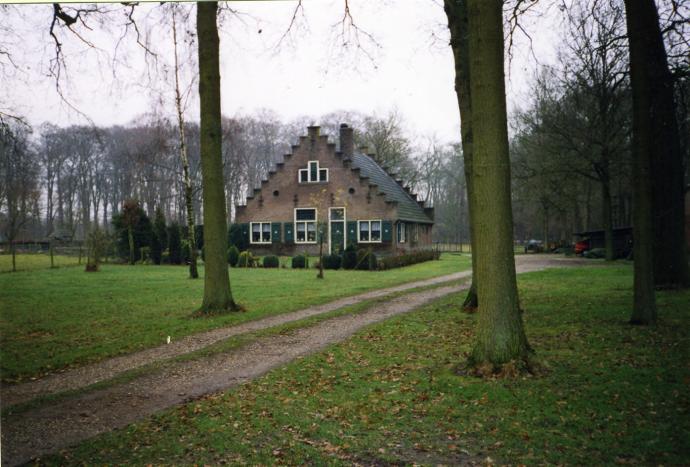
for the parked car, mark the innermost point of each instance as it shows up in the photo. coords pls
(534, 246)
(582, 246)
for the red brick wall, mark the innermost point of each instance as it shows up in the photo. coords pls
(365, 203)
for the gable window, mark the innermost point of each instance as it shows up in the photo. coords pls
(369, 231)
(313, 173)
(305, 225)
(259, 232)
(401, 232)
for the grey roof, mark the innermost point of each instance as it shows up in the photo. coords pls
(408, 208)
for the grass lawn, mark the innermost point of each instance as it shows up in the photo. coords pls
(33, 261)
(51, 319)
(612, 393)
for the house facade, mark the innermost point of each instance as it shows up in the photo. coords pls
(343, 195)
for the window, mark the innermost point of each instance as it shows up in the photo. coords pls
(313, 173)
(305, 225)
(337, 214)
(370, 231)
(259, 232)
(401, 232)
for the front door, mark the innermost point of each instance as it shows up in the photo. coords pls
(337, 230)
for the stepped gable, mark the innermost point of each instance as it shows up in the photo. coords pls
(409, 209)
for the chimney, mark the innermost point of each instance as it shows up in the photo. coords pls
(313, 131)
(347, 143)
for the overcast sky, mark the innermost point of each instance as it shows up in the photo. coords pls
(407, 66)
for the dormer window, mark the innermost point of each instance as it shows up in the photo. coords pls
(313, 173)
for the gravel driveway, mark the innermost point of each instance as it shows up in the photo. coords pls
(46, 429)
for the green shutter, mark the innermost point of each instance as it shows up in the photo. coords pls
(289, 233)
(387, 234)
(275, 232)
(352, 232)
(245, 232)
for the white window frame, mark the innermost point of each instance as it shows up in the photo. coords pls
(369, 222)
(308, 172)
(401, 232)
(261, 233)
(306, 227)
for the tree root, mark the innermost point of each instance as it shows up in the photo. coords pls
(206, 313)
(530, 366)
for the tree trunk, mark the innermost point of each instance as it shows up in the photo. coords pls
(191, 235)
(670, 254)
(641, 36)
(456, 11)
(545, 225)
(608, 219)
(217, 294)
(14, 256)
(320, 274)
(500, 334)
(130, 238)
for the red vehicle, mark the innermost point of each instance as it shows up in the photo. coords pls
(582, 246)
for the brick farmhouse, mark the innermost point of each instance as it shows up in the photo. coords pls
(345, 195)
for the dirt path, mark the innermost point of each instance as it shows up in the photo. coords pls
(46, 429)
(107, 369)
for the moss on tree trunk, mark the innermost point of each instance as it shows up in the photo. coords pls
(217, 295)
(456, 11)
(642, 24)
(500, 334)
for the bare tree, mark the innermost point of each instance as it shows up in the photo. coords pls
(19, 174)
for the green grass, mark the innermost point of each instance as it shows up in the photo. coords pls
(34, 261)
(224, 346)
(612, 393)
(51, 319)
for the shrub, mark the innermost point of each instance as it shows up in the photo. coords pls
(271, 261)
(185, 253)
(233, 255)
(174, 244)
(332, 261)
(142, 229)
(246, 260)
(237, 238)
(366, 260)
(406, 259)
(300, 262)
(159, 239)
(349, 257)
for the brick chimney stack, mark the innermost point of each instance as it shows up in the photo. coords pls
(347, 142)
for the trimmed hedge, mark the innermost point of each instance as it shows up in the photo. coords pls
(233, 255)
(271, 261)
(332, 261)
(407, 259)
(349, 257)
(300, 262)
(366, 260)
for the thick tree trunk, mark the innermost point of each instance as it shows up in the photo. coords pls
(500, 334)
(641, 36)
(456, 11)
(217, 295)
(191, 235)
(670, 254)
